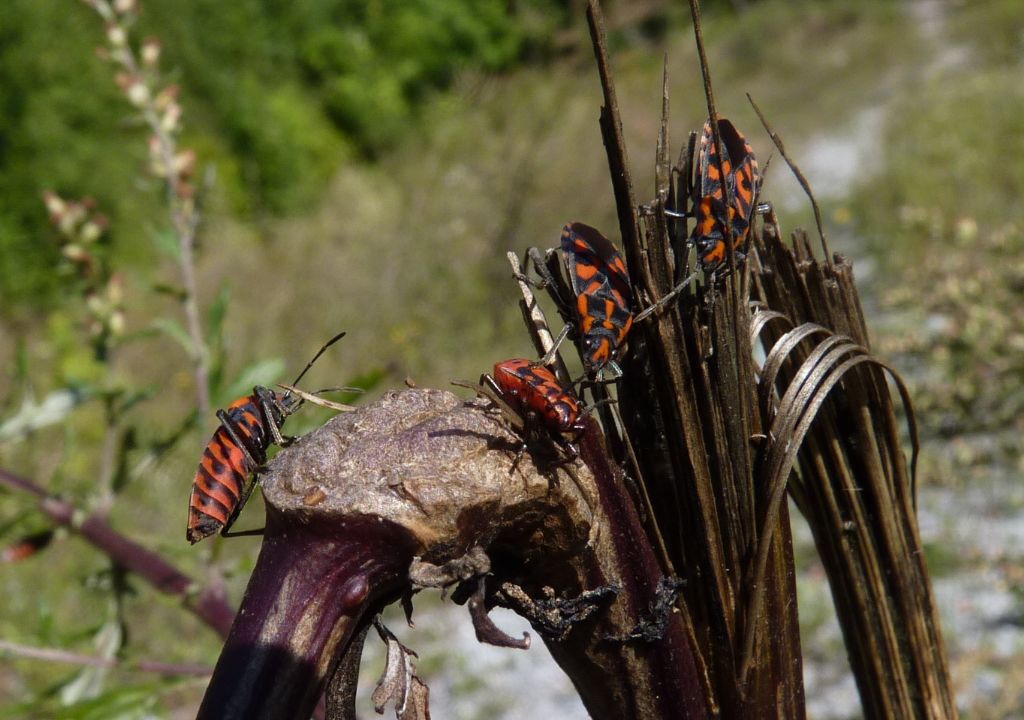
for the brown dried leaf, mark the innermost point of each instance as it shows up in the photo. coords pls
(398, 684)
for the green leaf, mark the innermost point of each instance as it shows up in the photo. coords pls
(174, 329)
(132, 703)
(175, 291)
(21, 361)
(138, 702)
(215, 338)
(88, 684)
(261, 372)
(131, 398)
(215, 316)
(129, 442)
(32, 416)
(141, 334)
(166, 241)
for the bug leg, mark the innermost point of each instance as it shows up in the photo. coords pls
(677, 213)
(546, 267)
(489, 390)
(242, 443)
(242, 533)
(519, 456)
(667, 298)
(238, 509)
(268, 422)
(599, 404)
(533, 257)
(549, 356)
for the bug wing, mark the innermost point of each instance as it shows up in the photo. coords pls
(591, 256)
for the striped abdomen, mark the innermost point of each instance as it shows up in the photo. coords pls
(527, 387)
(236, 449)
(604, 295)
(715, 221)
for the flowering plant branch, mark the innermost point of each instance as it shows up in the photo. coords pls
(139, 78)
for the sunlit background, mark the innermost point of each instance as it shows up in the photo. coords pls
(364, 166)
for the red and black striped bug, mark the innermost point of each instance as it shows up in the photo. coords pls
(720, 209)
(535, 394)
(536, 402)
(604, 295)
(596, 302)
(724, 209)
(238, 448)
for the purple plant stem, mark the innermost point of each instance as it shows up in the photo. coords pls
(312, 586)
(209, 605)
(664, 677)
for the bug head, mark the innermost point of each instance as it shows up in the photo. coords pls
(289, 400)
(287, 403)
(281, 405)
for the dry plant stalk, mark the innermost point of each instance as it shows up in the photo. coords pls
(854, 485)
(687, 389)
(717, 469)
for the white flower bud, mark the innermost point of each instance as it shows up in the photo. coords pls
(90, 232)
(54, 203)
(150, 51)
(138, 93)
(170, 119)
(157, 166)
(70, 219)
(116, 35)
(115, 291)
(74, 252)
(96, 306)
(185, 163)
(166, 97)
(116, 324)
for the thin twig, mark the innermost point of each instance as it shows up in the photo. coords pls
(615, 144)
(799, 177)
(208, 604)
(737, 305)
(716, 134)
(538, 321)
(63, 656)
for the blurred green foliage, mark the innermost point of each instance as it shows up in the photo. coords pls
(960, 159)
(275, 93)
(944, 219)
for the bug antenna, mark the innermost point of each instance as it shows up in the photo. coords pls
(319, 352)
(339, 388)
